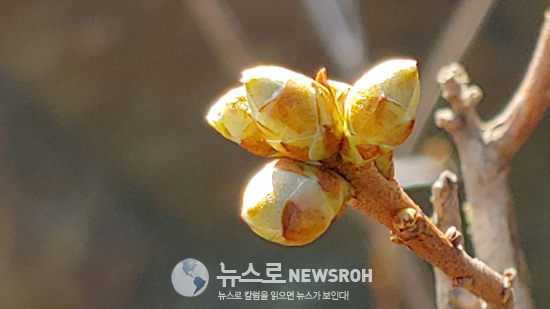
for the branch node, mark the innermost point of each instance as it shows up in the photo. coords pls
(510, 273)
(463, 282)
(456, 88)
(463, 97)
(396, 240)
(472, 95)
(454, 236)
(445, 118)
(405, 220)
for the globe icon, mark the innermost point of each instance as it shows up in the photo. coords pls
(190, 277)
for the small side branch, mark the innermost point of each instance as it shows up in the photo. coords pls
(512, 127)
(456, 89)
(385, 201)
(447, 218)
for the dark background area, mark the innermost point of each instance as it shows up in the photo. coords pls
(109, 174)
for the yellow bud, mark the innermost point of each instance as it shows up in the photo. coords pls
(293, 203)
(380, 108)
(297, 114)
(230, 116)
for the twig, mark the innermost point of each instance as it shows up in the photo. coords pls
(447, 218)
(400, 279)
(385, 201)
(512, 127)
(485, 150)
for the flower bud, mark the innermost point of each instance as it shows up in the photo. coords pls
(230, 116)
(297, 114)
(292, 203)
(380, 108)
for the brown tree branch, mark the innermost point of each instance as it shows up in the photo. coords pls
(512, 127)
(447, 218)
(485, 174)
(385, 201)
(485, 150)
(400, 279)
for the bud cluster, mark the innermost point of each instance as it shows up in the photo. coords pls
(280, 113)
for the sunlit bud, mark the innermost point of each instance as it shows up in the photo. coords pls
(292, 203)
(297, 114)
(230, 116)
(380, 108)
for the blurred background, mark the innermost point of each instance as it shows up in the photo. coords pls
(109, 175)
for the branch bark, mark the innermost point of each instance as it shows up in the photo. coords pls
(509, 130)
(447, 218)
(400, 279)
(385, 201)
(485, 150)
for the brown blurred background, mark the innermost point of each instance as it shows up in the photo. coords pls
(109, 175)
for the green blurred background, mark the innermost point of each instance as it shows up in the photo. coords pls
(109, 175)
